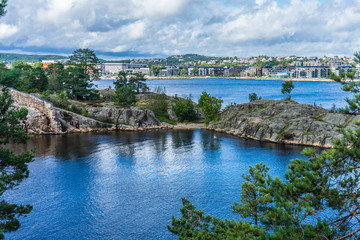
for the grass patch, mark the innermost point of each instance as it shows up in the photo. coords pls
(307, 134)
(320, 117)
(163, 117)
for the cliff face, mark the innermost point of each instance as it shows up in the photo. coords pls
(284, 121)
(44, 118)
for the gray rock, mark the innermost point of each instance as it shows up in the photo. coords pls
(172, 115)
(284, 121)
(44, 118)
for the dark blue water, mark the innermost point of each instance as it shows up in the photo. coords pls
(237, 90)
(128, 185)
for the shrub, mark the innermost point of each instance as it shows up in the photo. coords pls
(184, 109)
(254, 97)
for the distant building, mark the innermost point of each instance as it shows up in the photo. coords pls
(113, 67)
(282, 75)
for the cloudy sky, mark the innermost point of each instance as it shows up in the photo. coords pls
(150, 28)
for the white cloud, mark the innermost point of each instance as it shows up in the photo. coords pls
(213, 27)
(7, 31)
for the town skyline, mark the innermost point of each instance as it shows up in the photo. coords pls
(157, 29)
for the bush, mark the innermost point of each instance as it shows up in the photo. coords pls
(287, 87)
(184, 109)
(210, 106)
(124, 96)
(254, 97)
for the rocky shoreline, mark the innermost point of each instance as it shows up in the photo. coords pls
(279, 121)
(44, 118)
(284, 121)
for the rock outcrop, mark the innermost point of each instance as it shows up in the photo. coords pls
(44, 118)
(284, 121)
(133, 116)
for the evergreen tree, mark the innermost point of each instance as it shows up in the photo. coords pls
(13, 168)
(78, 81)
(139, 82)
(87, 60)
(56, 75)
(78, 85)
(124, 90)
(255, 194)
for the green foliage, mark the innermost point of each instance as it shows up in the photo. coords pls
(21, 65)
(255, 194)
(318, 199)
(37, 65)
(78, 77)
(10, 77)
(349, 85)
(12, 57)
(155, 69)
(124, 96)
(2, 7)
(183, 72)
(24, 77)
(37, 79)
(184, 109)
(195, 72)
(85, 59)
(287, 87)
(274, 62)
(125, 88)
(56, 74)
(13, 168)
(254, 97)
(159, 105)
(158, 101)
(357, 57)
(210, 106)
(139, 82)
(61, 100)
(78, 85)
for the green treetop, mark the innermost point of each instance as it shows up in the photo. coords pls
(85, 59)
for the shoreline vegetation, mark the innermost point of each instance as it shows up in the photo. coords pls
(239, 78)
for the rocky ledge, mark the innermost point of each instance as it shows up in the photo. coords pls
(44, 118)
(284, 121)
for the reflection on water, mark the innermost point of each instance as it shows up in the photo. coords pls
(127, 185)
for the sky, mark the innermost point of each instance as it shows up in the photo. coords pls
(117, 29)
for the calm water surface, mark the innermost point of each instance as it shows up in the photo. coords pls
(128, 185)
(237, 90)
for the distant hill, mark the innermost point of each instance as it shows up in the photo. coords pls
(12, 57)
(177, 59)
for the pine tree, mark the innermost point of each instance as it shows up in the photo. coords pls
(13, 168)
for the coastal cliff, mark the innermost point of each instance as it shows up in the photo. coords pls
(284, 121)
(44, 118)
